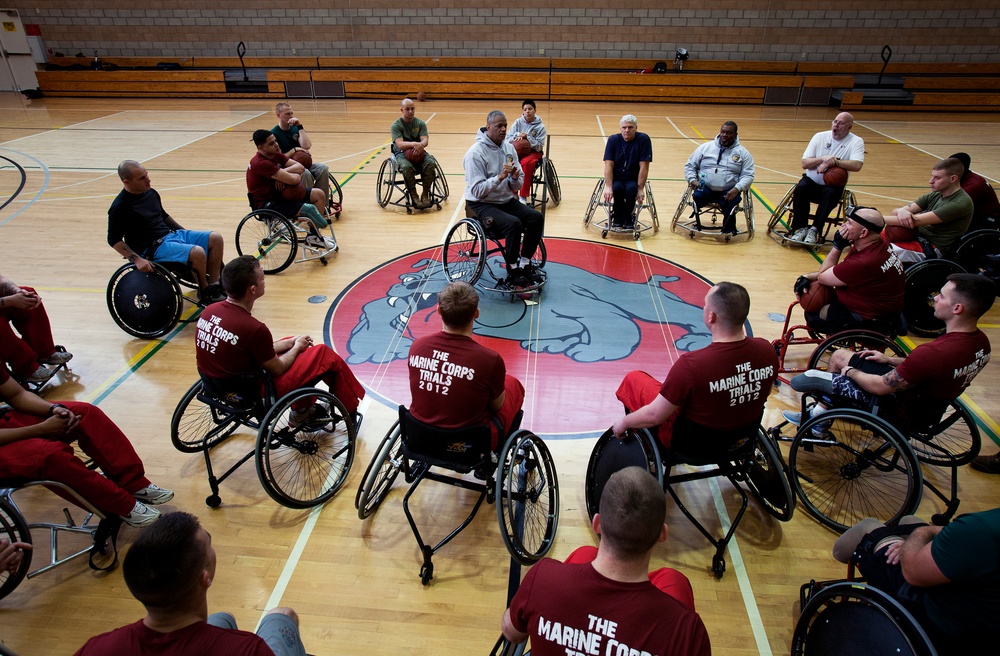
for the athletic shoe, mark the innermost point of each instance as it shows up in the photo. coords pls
(40, 375)
(57, 358)
(799, 235)
(988, 464)
(516, 277)
(141, 515)
(320, 243)
(523, 199)
(533, 273)
(153, 495)
(212, 294)
(821, 430)
(314, 417)
(812, 236)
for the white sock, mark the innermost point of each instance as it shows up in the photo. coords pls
(523, 262)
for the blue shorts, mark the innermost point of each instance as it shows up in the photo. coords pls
(176, 246)
(277, 630)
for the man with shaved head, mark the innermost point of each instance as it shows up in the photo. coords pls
(409, 133)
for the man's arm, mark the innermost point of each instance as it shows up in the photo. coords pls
(916, 560)
(825, 275)
(305, 142)
(509, 632)
(59, 419)
(643, 172)
(911, 216)
(286, 350)
(691, 167)
(747, 174)
(653, 414)
(290, 174)
(888, 383)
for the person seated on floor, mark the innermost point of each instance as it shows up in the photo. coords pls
(530, 128)
(720, 171)
(446, 399)
(948, 577)
(914, 390)
(409, 135)
(492, 180)
(141, 231)
(867, 285)
(36, 443)
(626, 166)
(720, 389)
(292, 137)
(28, 350)
(169, 570)
(270, 177)
(232, 344)
(986, 207)
(608, 596)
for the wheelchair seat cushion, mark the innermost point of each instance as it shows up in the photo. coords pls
(696, 444)
(461, 449)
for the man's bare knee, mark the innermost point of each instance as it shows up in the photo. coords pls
(283, 610)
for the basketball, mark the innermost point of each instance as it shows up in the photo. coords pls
(421, 96)
(814, 298)
(835, 177)
(522, 146)
(413, 157)
(302, 157)
(294, 192)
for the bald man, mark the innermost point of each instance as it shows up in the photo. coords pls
(409, 132)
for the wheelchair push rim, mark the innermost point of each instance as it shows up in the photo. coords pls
(14, 529)
(270, 237)
(144, 305)
(527, 497)
(196, 426)
(381, 473)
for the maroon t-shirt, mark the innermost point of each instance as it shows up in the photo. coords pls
(723, 385)
(198, 639)
(453, 379)
(571, 608)
(939, 372)
(874, 281)
(230, 342)
(260, 177)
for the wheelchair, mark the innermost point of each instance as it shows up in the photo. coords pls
(149, 305)
(15, 528)
(37, 386)
(275, 240)
(849, 463)
(520, 479)
(708, 220)
(391, 189)
(299, 466)
(848, 617)
(749, 457)
(638, 226)
(335, 199)
(779, 225)
(545, 181)
(470, 250)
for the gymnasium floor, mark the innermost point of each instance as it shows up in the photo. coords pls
(355, 584)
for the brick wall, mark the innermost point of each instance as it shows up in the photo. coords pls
(919, 31)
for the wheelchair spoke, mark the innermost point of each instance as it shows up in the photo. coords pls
(528, 502)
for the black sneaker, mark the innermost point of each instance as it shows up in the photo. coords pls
(516, 277)
(533, 273)
(212, 294)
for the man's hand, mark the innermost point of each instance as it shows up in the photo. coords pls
(827, 164)
(294, 121)
(732, 193)
(22, 300)
(302, 342)
(418, 148)
(875, 356)
(506, 171)
(904, 217)
(142, 264)
(694, 184)
(619, 428)
(641, 196)
(11, 553)
(279, 185)
(609, 194)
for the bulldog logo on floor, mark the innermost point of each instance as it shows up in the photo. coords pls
(605, 310)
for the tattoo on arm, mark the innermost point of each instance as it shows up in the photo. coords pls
(895, 381)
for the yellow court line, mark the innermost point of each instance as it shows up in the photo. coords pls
(71, 289)
(695, 130)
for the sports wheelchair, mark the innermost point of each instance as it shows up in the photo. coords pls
(148, 305)
(274, 239)
(54, 369)
(15, 528)
(520, 479)
(467, 254)
(745, 456)
(545, 181)
(391, 189)
(779, 225)
(299, 465)
(708, 220)
(849, 463)
(638, 226)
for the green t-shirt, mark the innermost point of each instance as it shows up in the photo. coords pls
(287, 139)
(955, 212)
(411, 131)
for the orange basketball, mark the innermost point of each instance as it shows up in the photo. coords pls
(421, 96)
(303, 157)
(522, 146)
(294, 192)
(814, 298)
(835, 177)
(413, 156)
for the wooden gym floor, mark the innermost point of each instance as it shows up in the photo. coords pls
(355, 583)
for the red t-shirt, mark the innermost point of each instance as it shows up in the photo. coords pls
(874, 281)
(453, 379)
(230, 342)
(571, 608)
(198, 639)
(260, 177)
(939, 372)
(723, 385)
(984, 198)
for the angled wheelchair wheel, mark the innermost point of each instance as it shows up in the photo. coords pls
(335, 199)
(14, 529)
(440, 189)
(465, 252)
(144, 305)
(954, 438)
(650, 204)
(269, 237)
(781, 216)
(381, 473)
(682, 208)
(385, 182)
(638, 448)
(552, 182)
(748, 213)
(540, 256)
(855, 340)
(305, 465)
(767, 481)
(923, 281)
(196, 426)
(595, 202)
(527, 496)
(978, 251)
(852, 466)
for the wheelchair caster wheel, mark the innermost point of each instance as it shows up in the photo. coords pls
(213, 501)
(409, 211)
(604, 234)
(323, 261)
(718, 566)
(635, 235)
(426, 574)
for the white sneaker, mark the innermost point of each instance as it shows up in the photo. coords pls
(523, 199)
(153, 495)
(41, 374)
(799, 234)
(57, 358)
(812, 236)
(141, 515)
(821, 430)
